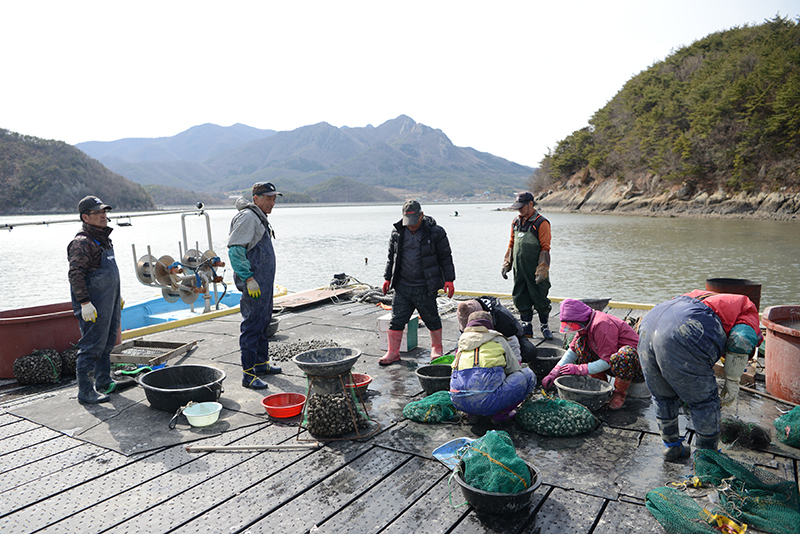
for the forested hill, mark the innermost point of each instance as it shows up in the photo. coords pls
(716, 121)
(40, 176)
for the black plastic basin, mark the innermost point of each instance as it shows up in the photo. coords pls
(172, 387)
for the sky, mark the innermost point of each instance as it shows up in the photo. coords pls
(511, 78)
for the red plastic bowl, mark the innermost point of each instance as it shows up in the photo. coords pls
(362, 382)
(283, 405)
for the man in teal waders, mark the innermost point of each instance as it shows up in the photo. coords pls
(529, 255)
(253, 260)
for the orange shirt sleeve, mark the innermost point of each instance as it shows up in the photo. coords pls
(544, 236)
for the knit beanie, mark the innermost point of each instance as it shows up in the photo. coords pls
(464, 310)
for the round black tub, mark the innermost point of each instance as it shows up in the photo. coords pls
(433, 378)
(172, 387)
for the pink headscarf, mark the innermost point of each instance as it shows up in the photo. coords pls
(574, 311)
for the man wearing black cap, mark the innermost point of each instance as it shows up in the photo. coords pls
(253, 261)
(529, 255)
(95, 291)
(420, 264)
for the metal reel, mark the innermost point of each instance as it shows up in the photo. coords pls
(143, 269)
(191, 259)
(208, 254)
(162, 271)
(187, 291)
(170, 295)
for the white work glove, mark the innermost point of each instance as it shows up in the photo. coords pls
(88, 312)
(734, 367)
(253, 289)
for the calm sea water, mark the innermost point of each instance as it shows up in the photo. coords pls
(630, 259)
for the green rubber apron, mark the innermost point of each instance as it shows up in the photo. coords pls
(527, 294)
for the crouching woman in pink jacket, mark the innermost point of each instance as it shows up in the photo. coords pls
(603, 345)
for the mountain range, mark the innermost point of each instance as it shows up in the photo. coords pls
(400, 154)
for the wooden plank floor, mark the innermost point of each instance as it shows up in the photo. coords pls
(51, 481)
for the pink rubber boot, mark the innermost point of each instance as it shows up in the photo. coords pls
(392, 355)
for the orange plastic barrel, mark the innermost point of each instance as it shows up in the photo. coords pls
(782, 352)
(737, 286)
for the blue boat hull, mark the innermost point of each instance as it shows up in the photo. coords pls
(157, 310)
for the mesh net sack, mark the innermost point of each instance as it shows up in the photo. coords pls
(787, 427)
(39, 367)
(435, 408)
(750, 494)
(491, 464)
(747, 495)
(677, 512)
(69, 360)
(555, 417)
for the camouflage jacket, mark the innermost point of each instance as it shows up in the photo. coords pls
(84, 256)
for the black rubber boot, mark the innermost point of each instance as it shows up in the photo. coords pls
(87, 393)
(527, 327)
(267, 369)
(707, 442)
(674, 449)
(251, 381)
(546, 333)
(545, 328)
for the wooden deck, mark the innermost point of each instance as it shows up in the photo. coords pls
(118, 468)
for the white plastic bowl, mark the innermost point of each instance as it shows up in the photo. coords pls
(203, 413)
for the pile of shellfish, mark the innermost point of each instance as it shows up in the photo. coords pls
(333, 415)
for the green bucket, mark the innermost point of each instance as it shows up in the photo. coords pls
(447, 359)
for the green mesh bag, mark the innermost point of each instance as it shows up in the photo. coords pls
(677, 512)
(750, 494)
(491, 464)
(787, 427)
(435, 408)
(555, 417)
(747, 494)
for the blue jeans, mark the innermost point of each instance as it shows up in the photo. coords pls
(679, 342)
(407, 299)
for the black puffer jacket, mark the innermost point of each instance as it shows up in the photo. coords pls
(437, 259)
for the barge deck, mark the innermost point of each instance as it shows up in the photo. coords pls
(117, 467)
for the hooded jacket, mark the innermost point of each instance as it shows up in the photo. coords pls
(437, 258)
(605, 333)
(493, 350)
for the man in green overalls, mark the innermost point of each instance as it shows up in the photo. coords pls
(529, 255)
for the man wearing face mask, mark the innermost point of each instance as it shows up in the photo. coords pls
(420, 264)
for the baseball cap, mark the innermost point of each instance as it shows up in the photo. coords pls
(411, 212)
(265, 188)
(522, 200)
(92, 203)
